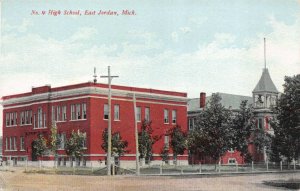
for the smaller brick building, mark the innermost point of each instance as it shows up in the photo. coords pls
(196, 106)
(264, 97)
(84, 107)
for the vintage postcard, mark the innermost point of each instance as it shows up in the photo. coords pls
(150, 95)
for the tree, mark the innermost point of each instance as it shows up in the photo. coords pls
(213, 130)
(146, 140)
(165, 154)
(74, 145)
(178, 141)
(40, 146)
(53, 143)
(242, 125)
(118, 145)
(262, 140)
(286, 123)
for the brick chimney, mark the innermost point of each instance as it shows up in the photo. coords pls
(202, 99)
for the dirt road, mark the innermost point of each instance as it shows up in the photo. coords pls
(20, 181)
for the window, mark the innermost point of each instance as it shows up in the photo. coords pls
(166, 143)
(40, 117)
(61, 140)
(166, 116)
(53, 114)
(105, 111)
(191, 123)
(84, 111)
(64, 113)
(84, 141)
(12, 144)
(58, 118)
(26, 117)
(22, 118)
(6, 144)
(78, 114)
(11, 119)
(231, 150)
(231, 161)
(174, 116)
(11, 115)
(73, 113)
(15, 118)
(138, 114)
(147, 114)
(44, 122)
(260, 123)
(22, 144)
(34, 120)
(117, 112)
(30, 116)
(7, 119)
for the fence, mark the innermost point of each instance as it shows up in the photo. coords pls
(219, 168)
(201, 169)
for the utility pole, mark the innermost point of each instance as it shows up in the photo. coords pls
(136, 138)
(109, 77)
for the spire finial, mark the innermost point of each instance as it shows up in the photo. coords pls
(265, 53)
(95, 75)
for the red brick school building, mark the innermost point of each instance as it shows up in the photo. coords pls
(84, 107)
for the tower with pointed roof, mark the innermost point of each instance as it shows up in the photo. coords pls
(265, 92)
(265, 95)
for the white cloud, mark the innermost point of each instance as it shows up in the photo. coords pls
(83, 34)
(216, 66)
(222, 38)
(20, 28)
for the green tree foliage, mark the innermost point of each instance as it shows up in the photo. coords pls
(242, 125)
(40, 146)
(178, 141)
(146, 140)
(165, 154)
(74, 145)
(286, 124)
(262, 140)
(213, 134)
(118, 145)
(53, 143)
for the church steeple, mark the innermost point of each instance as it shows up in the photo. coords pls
(265, 92)
(265, 84)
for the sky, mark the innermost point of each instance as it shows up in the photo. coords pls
(188, 46)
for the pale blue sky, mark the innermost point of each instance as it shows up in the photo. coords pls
(189, 46)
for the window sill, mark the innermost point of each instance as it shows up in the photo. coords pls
(11, 150)
(117, 120)
(77, 120)
(60, 149)
(166, 123)
(22, 150)
(40, 128)
(12, 126)
(25, 125)
(60, 121)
